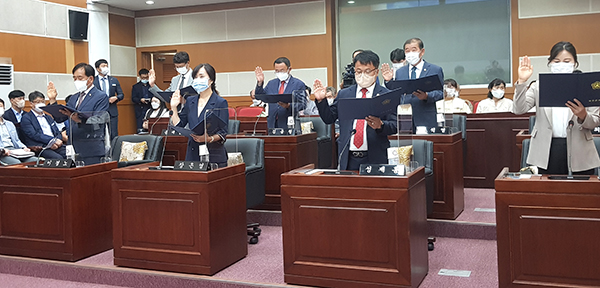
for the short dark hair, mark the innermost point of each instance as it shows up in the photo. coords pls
(181, 57)
(283, 60)
(421, 45)
(397, 55)
(16, 94)
(35, 95)
(562, 46)
(309, 90)
(494, 83)
(367, 57)
(212, 74)
(2, 101)
(89, 70)
(143, 71)
(452, 82)
(357, 50)
(100, 62)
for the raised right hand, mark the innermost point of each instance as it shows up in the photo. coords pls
(51, 92)
(387, 72)
(175, 99)
(151, 77)
(260, 76)
(319, 90)
(525, 70)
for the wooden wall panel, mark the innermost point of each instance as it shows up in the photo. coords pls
(126, 107)
(34, 54)
(81, 53)
(121, 30)
(76, 3)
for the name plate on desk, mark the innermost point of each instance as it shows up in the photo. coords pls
(381, 170)
(282, 131)
(58, 163)
(171, 132)
(190, 166)
(440, 130)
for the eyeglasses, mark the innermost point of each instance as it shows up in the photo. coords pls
(368, 72)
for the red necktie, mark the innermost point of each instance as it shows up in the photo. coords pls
(282, 87)
(360, 125)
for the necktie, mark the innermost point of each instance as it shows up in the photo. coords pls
(182, 81)
(360, 125)
(413, 72)
(105, 85)
(81, 95)
(282, 87)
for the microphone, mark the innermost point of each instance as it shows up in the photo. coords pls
(569, 130)
(256, 123)
(338, 172)
(162, 154)
(157, 119)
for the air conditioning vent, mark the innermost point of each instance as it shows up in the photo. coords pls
(6, 74)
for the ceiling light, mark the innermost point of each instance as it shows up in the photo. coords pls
(351, 2)
(149, 2)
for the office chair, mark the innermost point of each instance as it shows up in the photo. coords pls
(324, 141)
(233, 126)
(155, 147)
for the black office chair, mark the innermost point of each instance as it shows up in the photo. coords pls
(324, 141)
(253, 152)
(153, 154)
(233, 126)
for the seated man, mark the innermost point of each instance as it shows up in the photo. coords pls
(9, 140)
(40, 129)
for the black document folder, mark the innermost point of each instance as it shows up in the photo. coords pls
(425, 84)
(184, 92)
(54, 110)
(359, 108)
(213, 124)
(274, 98)
(557, 89)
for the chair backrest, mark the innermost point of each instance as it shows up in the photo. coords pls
(233, 127)
(525, 152)
(323, 130)
(531, 123)
(249, 111)
(252, 149)
(422, 150)
(155, 145)
(460, 122)
(232, 112)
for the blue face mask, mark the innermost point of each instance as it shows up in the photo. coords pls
(145, 81)
(200, 84)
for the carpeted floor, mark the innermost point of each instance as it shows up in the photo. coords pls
(480, 206)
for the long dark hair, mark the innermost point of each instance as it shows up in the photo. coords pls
(494, 83)
(161, 109)
(562, 46)
(212, 74)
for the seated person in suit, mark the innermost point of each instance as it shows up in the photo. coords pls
(451, 102)
(194, 110)
(140, 96)
(40, 129)
(285, 83)
(495, 101)
(17, 102)
(370, 142)
(422, 103)
(311, 107)
(548, 148)
(158, 110)
(9, 140)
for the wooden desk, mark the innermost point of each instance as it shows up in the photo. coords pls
(182, 221)
(449, 195)
(282, 154)
(247, 125)
(547, 232)
(354, 231)
(491, 146)
(175, 149)
(60, 214)
(161, 124)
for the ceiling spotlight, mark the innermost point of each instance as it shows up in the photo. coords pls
(351, 2)
(149, 2)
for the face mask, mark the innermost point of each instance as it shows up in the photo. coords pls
(363, 80)
(38, 107)
(451, 92)
(561, 67)
(80, 85)
(155, 105)
(21, 104)
(397, 65)
(104, 70)
(182, 70)
(200, 84)
(1, 111)
(282, 76)
(497, 93)
(412, 58)
(330, 101)
(145, 81)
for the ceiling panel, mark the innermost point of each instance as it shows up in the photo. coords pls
(138, 5)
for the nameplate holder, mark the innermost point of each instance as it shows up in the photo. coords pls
(171, 133)
(381, 170)
(282, 131)
(190, 166)
(440, 130)
(58, 163)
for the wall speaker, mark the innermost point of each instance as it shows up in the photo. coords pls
(78, 25)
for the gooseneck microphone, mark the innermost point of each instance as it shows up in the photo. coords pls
(256, 123)
(352, 132)
(569, 130)
(158, 117)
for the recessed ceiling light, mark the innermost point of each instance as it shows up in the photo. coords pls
(149, 2)
(351, 2)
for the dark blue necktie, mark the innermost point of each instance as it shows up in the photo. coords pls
(413, 73)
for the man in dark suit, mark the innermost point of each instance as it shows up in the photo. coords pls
(141, 97)
(88, 130)
(40, 129)
(368, 145)
(285, 83)
(17, 103)
(112, 89)
(423, 103)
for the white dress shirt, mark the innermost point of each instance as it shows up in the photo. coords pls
(490, 106)
(560, 121)
(418, 71)
(187, 76)
(365, 145)
(6, 141)
(18, 115)
(46, 129)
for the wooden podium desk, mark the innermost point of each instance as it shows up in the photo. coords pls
(247, 125)
(160, 124)
(449, 195)
(181, 221)
(354, 230)
(283, 154)
(60, 214)
(175, 149)
(548, 232)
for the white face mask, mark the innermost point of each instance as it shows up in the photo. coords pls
(81, 85)
(561, 67)
(38, 107)
(21, 104)
(363, 80)
(282, 75)
(330, 101)
(155, 105)
(182, 70)
(104, 70)
(451, 92)
(398, 65)
(497, 93)
(413, 58)
(1, 111)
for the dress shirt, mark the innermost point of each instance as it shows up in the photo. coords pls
(19, 115)
(490, 106)
(6, 141)
(187, 76)
(560, 121)
(106, 85)
(454, 105)
(285, 84)
(46, 129)
(82, 97)
(365, 145)
(418, 71)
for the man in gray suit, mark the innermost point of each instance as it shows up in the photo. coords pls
(183, 79)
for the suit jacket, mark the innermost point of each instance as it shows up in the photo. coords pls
(114, 90)
(9, 115)
(584, 155)
(138, 91)
(14, 137)
(154, 89)
(278, 115)
(88, 137)
(377, 139)
(33, 133)
(423, 111)
(189, 116)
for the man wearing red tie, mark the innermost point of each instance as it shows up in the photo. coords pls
(367, 138)
(283, 84)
